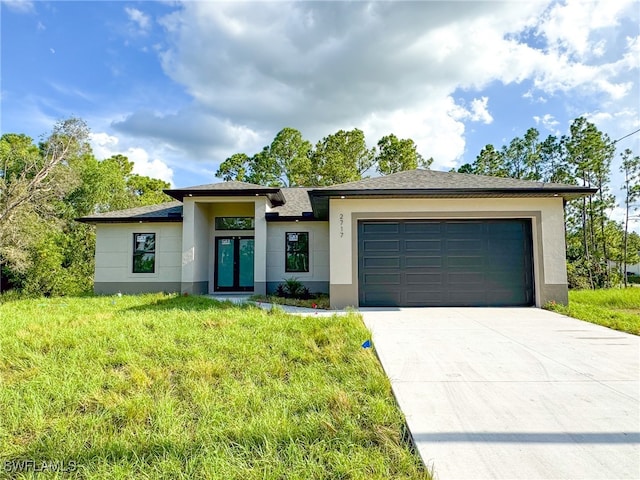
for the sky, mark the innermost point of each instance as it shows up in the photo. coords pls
(180, 86)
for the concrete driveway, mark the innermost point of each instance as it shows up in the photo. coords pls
(513, 393)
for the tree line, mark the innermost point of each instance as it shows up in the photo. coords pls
(291, 161)
(43, 188)
(585, 157)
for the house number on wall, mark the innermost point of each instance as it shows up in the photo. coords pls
(341, 225)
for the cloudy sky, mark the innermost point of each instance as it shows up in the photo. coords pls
(180, 86)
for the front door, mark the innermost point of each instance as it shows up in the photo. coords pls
(234, 264)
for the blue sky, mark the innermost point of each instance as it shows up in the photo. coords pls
(180, 86)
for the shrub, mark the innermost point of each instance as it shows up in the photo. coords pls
(293, 288)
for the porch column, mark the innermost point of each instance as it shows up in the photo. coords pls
(195, 248)
(260, 246)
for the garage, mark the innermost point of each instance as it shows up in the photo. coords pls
(486, 262)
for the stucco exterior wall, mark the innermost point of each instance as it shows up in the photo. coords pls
(198, 252)
(317, 279)
(547, 215)
(114, 258)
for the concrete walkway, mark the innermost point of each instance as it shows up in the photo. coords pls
(513, 393)
(240, 299)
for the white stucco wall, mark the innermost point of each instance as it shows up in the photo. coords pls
(114, 252)
(198, 252)
(318, 251)
(342, 232)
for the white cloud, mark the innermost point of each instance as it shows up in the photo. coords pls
(479, 111)
(142, 20)
(570, 27)
(254, 68)
(20, 6)
(105, 146)
(143, 165)
(547, 121)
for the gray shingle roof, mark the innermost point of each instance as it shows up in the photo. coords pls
(164, 212)
(232, 185)
(226, 189)
(432, 184)
(430, 179)
(296, 202)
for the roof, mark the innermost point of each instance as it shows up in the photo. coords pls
(296, 206)
(302, 203)
(432, 179)
(433, 184)
(227, 189)
(164, 212)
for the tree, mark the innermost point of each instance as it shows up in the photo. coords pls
(29, 179)
(33, 180)
(589, 153)
(284, 163)
(521, 158)
(341, 157)
(490, 162)
(396, 155)
(43, 250)
(631, 169)
(291, 155)
(264, 170)
(235, 167)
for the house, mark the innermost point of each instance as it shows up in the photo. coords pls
(414, 238)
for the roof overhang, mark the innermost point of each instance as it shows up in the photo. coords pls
(134, 219)
(274, 195)
(305, 217)
(320, 198)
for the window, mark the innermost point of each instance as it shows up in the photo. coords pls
(144, 252)
(234, 223)
(297, 251)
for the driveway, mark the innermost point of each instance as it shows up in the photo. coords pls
(513, 393)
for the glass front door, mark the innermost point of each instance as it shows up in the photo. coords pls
(234, 264)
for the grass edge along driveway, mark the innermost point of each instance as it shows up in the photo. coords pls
(617, 308)
(158, 386)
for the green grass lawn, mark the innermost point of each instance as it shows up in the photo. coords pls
(615, 308)
(171, 387)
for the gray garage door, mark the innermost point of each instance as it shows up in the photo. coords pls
(445, 263)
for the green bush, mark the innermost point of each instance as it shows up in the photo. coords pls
(293, 288)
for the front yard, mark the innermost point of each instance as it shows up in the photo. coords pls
(171, 387)
(616, 308)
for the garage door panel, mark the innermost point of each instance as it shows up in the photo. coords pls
(382, 262)
(433, 298)
(464, 278)
(381, 228)
(465, 261)
(464, 245)
(382, 245)
(423, 278)
(411, 261)
(423, 245)
(444, 262)
(468, 227)
(382, 299)
(423, 228)
(382, 279)
(504, 229)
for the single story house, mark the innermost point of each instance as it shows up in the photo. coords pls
(414, 238)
